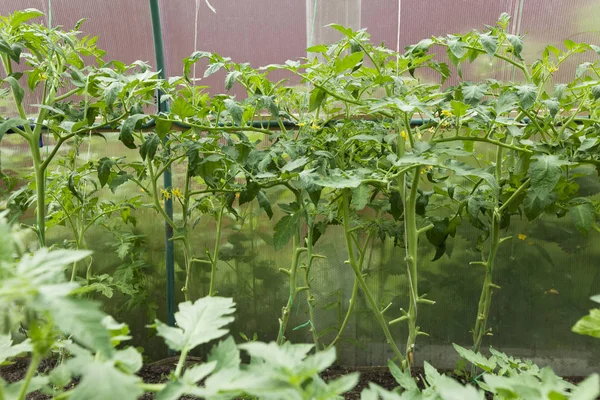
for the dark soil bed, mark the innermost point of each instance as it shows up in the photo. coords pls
(159, 372)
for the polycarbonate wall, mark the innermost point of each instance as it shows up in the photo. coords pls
(546, 279)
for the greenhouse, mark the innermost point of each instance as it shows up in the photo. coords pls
(216, 199)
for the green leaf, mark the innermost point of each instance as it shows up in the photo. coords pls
(545, 172)
(338, 181)
(489, 43)
(553, 106)
(130, 124)
(506, 103)
(589, 389)
(582, 215)
(473, 93)
(285, 229)
(21, 16)
(94, 384)
(317, 96)
(163, 127)
(8, 350)
(403, 378)
(476, 358)
(197, 323)
(348, 62)
(212, 68)
(10, 124)
(516, 43)
(320, 48)
(231, 78)
(18, 91)
(295, 164)
(459, 108)
(596, 92)
(527, 95)
(82, 319)
(456, 48)
(236, 112)
(149, 147)
(360, 197)
(182, 108)
(449, 389)
(263, 202)
(589, 325)
(105, 165)
(396, 205)
(226, 354)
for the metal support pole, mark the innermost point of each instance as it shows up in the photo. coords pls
(167, 178)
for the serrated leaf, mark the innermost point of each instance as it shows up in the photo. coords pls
(582, 215)
(456, 48)
(295, 164)
(197, 323)
(182, 108)
(82, 319)
(236, 112)
(489, 43)
(263, 202)
(348, 62)
(516, 43)
(553, 106)
(476, 358)
(338, 181)
(403, 378)
(506, 103)
(285, 229)
(449, 389)
(8, 350)
(589, 325)
(149, 147)
(589, 389)
(93, 386)
(130, 124)
(527, 95)
(163, 127)
(360, 197)
(231, 78)
(105, 165)
(212, 68)
(459, 109)
(545, 172)
(473, 93)
(317, 96)
(226, 354)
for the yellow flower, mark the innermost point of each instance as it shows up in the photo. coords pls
(431, 130)
(552, 69)
(552, 291)
(426, 169)
(446, 113)
(177, 193)
(301, 124)
(521, 236)
(314, 126)
(165, 194)
(404, 135)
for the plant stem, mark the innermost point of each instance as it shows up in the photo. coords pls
(485, 299)
(40, 188)
(361, 280)
(33, 365)
(187, 254)
(181, 362)
(285, 312)
(310, 300)
(215, 257)
(412, 239)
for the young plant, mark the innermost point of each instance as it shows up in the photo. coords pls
(35, 57)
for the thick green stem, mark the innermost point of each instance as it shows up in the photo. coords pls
(215, 256)
(483, 309)
(310, 300)
(412, 240)
(40, 188)
(361, 280)
(181, 362)
(285, 312)
(33, 365)
(352, 301)
(187, 254)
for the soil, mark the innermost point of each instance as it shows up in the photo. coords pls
(159, 371)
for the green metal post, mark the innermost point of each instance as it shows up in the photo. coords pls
(167, 178)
